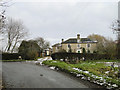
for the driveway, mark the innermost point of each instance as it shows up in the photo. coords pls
(24, 75)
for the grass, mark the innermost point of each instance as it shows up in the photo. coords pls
(103, 60)
(94, 68)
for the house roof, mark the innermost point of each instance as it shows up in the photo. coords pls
(58, 44)
(82, 40)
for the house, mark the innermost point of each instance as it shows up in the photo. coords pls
(47, 52)
(75, 45)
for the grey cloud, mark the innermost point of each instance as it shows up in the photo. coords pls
(63, 20)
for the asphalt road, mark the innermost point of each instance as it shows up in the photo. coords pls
(0, 75)
(24, 75)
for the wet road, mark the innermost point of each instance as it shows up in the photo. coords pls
(24, 75)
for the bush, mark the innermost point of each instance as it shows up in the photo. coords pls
(31, 55)
(10, 56)
(78, 56)
(84, 51)
(29, 50)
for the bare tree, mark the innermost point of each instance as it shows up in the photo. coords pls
(116, 29)
(2, 16)
(42, 43)
(4, 4)
(15, 31)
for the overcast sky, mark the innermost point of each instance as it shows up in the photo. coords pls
(55, 19)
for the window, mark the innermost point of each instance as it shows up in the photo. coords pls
(88, 45)
(78, 45)
(69, 46)
(57, 47)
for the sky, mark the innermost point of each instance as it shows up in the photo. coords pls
(57, 19)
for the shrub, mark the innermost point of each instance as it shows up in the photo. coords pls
(10, 56)
(31, 55)
(84, 51)
(29, 50)
(78, 56)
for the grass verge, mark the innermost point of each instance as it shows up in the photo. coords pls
(97, 72)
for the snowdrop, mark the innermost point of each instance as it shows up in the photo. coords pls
(52, 68)
(114, 85)
(107, 72)
(86, 72)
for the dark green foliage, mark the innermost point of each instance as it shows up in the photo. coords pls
(70, 50)
(118, 49)
(94, 51)
(78, 56)
(84, 51)
(29, 50)
(88, 51)
(62, 50)
(10, 56)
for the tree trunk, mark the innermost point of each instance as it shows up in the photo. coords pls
(14, 45)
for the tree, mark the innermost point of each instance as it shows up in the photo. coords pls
(88, 51)
(83, 50)
(62, 50)
(43, 44)
(116, 29)
(3, 5)
(104, 45)
(101, 40)
(2, 17)
(15, 32)
(2, 20)
(29, 49)
(110, 48)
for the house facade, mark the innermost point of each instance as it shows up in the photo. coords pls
(75, 45)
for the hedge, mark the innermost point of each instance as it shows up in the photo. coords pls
(10, 56)
(78, 56)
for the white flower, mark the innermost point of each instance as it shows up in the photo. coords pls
(101, 83)
(86, 71)
(114, 85)
(83, 78)
(88, 78)
(54, 61)
(107, 72)
(78, 75)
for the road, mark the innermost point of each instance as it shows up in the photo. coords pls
(0, 75)
(24, 75)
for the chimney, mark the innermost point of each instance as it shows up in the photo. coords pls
(78, 36)
(62, 40)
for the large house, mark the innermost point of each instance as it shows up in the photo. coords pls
(76, 45)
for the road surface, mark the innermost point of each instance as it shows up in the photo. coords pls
(24, 75)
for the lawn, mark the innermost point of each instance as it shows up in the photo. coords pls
(98, 71)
